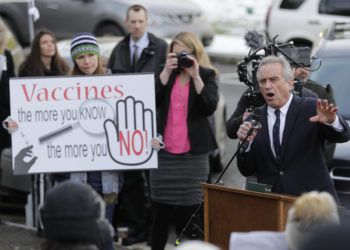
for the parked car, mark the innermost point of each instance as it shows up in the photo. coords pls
(333, 59)
(106, 17)
(301, 21)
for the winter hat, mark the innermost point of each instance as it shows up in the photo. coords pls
(84, 43)
(74, 212)
(196, 244)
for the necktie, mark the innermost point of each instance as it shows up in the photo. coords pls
(276, 134)
(135, 57)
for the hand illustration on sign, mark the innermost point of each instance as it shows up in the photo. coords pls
(129, 136)
(24, 160)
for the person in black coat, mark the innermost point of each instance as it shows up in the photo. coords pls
(7, 70)
(151, 51)
(139, 51)
(287, 152)
(186, 96)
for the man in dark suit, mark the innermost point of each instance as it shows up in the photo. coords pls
(139, 51)
(287, 152)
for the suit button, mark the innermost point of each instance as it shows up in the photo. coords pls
(281, 173)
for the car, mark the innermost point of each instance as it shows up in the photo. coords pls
(106, 17)
(301, 21)
(332, 55)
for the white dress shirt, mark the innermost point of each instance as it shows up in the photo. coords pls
(142, 43)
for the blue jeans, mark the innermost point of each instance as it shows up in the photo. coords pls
(109, 217)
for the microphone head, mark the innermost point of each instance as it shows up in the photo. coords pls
(254, 40)
(256, 114)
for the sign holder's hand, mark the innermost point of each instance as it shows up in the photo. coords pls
(129, 136)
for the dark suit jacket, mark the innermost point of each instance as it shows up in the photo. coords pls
(301, 167)
(152, 58)
(200, 106)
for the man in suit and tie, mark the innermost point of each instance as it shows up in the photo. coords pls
(287, 152)
(139, 51)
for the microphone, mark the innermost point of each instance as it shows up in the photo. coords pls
(254, 119)
(254, 40)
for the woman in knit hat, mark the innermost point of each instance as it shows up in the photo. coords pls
(85, 53)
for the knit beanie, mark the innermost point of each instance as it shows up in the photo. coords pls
(74, 212)
(84, 43)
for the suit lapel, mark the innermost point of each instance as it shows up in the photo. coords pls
(125, 57)
(265, 133)
(292, 114)
(193, 94)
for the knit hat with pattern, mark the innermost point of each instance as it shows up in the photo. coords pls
(84, 43)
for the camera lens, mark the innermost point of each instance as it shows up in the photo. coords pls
(183, 60)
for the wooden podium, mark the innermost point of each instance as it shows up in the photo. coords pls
(229, 210)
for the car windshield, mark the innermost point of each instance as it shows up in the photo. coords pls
(336, 72)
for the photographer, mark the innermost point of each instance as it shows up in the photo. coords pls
(186, 95)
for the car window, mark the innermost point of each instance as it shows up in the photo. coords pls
(291, 4)
(335, 71)
(335, 7)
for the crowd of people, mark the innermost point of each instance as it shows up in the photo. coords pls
(286, 153)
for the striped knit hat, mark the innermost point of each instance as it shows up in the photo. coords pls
(84, 43)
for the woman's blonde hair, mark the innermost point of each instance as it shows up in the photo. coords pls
(3, 36)
(195, 46)
(309, 213)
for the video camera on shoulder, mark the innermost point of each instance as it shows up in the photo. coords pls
(247, 69)
(183, 61)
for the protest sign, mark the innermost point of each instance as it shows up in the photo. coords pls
(83, 123)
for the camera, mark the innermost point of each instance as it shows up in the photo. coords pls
(183, 61)
(247, 69)
(297, 56)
